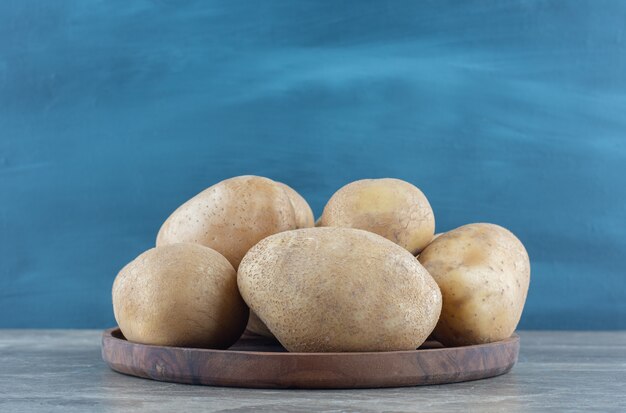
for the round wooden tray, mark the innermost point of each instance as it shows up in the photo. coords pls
(262, 363)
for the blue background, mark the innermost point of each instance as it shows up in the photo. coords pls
(112, 113)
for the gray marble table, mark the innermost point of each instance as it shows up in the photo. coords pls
(61, 370)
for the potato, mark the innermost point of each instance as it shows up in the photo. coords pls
(304, 213)
(231, 216)
(389, 207)
(179, 295)
(434, 238)
(304, 219)
(483, 272)
(339, 289)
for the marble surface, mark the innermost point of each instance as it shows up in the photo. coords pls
(61, 370)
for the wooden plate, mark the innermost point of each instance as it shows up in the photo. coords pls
(262, 363)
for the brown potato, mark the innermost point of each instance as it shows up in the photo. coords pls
(339, 289)
(434, 238)
(304, 213)
(179, 295)
(231, 216)
(389, 207)
(483, 272)
(304, 219)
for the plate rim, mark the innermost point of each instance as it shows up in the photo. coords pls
(108, 334)
(285, 370)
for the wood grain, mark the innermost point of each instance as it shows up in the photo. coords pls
(260, 363)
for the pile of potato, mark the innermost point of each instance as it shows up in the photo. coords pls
(247, 252)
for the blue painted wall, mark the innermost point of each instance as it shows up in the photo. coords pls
(113, 113)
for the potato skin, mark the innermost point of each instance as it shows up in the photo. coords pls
(389, 207)
(339, 289)
(304, 219)
(302, 209)
(483, 272)
(231, 216)
(434, 238)
(179, 295)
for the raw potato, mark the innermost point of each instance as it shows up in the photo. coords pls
(304, 219)
(483, 272)
(231, 216)
(304, 213)
(389, 207)
(434, 238)
(339, 289)
(179, 295)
